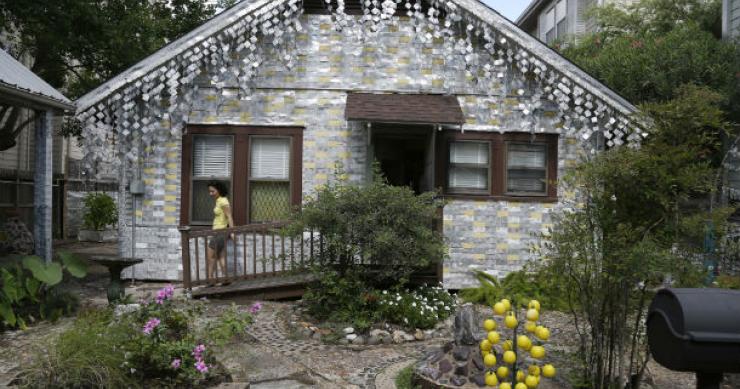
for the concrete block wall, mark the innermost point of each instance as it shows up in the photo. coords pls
(491, 236)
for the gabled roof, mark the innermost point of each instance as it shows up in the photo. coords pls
(528, 18)
(20, 85)
(260, 7)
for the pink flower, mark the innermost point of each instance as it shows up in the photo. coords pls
(201, 367)
(151, 325)
(256, 307)
(164, 294)
(198, 352)
(176, 363)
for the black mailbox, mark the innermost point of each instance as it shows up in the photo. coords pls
(696, 330)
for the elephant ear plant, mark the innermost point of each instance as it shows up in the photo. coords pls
(29, 289)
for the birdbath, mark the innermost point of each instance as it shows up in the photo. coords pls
(115, 265)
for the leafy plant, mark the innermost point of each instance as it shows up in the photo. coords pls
(100, 211)
(28, 289)
(519, 286)
(340, 299)
(88, 354)
(728, 282)
(377, 233)
(420, 308)
(405, 377)
(230, 324)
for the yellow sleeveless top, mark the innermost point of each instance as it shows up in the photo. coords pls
(220, 220)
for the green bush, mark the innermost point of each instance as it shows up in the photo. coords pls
(87, 355)
(29, 289)
(420, 308)
(100, 211)
(341, 300)
(520, 287)
(405, 378)
(376, 232)
(728, 282)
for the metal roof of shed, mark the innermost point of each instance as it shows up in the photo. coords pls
(20, 85)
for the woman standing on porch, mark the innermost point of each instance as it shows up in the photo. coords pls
(216, 251)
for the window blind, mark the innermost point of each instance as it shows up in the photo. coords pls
(469, 178)
(270, 158)
(212, 156)
(526, 156)
(469, 152)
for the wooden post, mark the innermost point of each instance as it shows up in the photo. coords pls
(185, 247)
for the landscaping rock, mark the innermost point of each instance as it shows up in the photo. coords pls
(461, 369)
(478, 362)
(351, 337)
(373, 340)
(461, 353)
(445, 366)
(387, 340)
(306, 332)
(465, 326)
(479, 379)
(349, 330)
(358, 340)
(316, 336)
(430, 372)
(419, 335)
(125, 308)
(429, 334)
(399, 336)
(458, 381)
(380, 333)
(436, 357)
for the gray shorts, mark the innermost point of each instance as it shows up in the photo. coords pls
(217, 243)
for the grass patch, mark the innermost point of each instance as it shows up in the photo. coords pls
(404, 379)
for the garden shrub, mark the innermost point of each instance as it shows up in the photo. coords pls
(519, 286)
(341, 300)
(376, 232)
(87, 355)
(421, 308)
(100, 211)
(29, 289)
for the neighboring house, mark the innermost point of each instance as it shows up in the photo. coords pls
(558, 20)
(269, 96)
(21, 89)
(731, 18)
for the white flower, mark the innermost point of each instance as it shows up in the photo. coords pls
(398, 298)
(413, 305)
(405, 320)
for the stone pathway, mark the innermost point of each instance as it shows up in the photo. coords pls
(342, 366)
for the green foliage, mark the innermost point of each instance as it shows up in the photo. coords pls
(29, 289)
(341, 300)
(77, 44)
(376, 232)
(519, 287)
(100, 211)
(86, 355)
(728, 282)
(405, 377)
(421, 308)
(232, 323)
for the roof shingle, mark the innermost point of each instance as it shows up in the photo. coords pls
(404, 108)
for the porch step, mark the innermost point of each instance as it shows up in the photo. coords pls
(267, 288)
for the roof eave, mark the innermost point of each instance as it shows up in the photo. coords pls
(528, 12)
(32, 100)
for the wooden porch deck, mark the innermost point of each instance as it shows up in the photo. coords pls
(268, 288)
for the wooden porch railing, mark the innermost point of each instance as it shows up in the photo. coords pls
(252, 251)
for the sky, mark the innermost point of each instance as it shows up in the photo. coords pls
(509, 8)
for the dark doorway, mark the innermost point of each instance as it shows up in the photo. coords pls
(405, 155)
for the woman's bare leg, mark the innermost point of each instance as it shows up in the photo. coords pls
(222, 260)
(210, 264)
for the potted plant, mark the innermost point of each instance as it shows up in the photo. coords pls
(100, 216)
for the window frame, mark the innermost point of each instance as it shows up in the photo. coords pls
(556, 32)
(250, 180)
(459, 190)
(240, 168)
(508, 143)
(193, 178)
(497, 160)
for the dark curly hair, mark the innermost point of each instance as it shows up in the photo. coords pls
(220, 187)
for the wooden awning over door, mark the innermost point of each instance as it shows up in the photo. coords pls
(404, 108)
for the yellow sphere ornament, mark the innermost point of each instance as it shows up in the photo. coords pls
(520, 376)
(485, 345)
(502, 372)
(491, 379)
(508, 345)
(537, 352)
(510, 321)
(534, 304)
(542, 333)
(494, 337)
(507, 304)
(489, 325)
(523, 342)
(509, 357)
(505, 385)
(489, 360)
(533, 315)
(499, 308)
(548, 371)
(534, 370)
(531, 382)
(530, 326)
(520, 385)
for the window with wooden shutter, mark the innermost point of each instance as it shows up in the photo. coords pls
(469, 166)
(526, 168)
(212, 161)
(269, 179)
